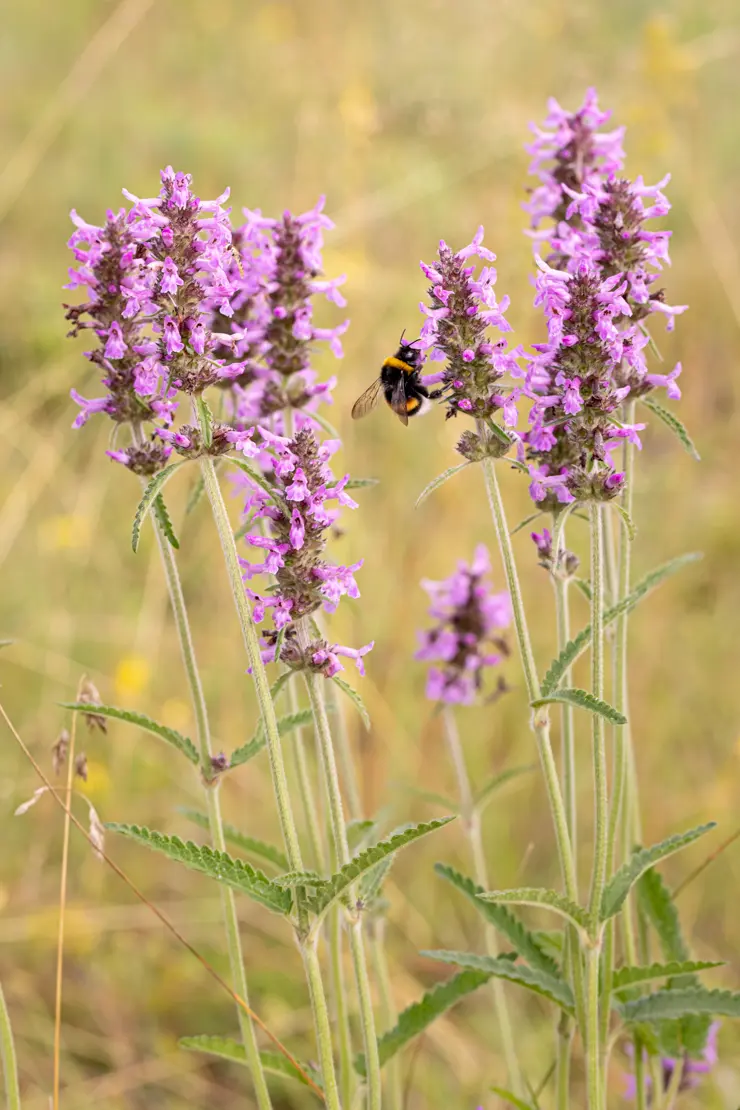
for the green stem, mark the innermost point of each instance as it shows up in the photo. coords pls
(562, 1063)
(540, 718)
(10, 1065)
(601, 808)
(305, 786)
(344, 754)
(392, 1070)
(277, 769)
(472, 827)
(341, 847)
(641, 1090)
(215, 823)
(568, 756)
(341, 1009)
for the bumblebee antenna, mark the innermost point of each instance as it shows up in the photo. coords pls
(402, 335)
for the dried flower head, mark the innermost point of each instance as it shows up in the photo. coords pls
(88, 693)
(81, 766)
(469, 618)
(59, 751)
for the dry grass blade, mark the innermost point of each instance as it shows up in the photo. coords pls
(75, 86)
(154, 909)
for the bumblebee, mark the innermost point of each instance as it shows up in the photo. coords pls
(401, 386)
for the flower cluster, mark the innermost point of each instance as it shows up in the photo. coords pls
(462, 306)
(595, 289)
(693, 1069)
(150, 272)
(469, 617)
(298, 512)
(276, 274)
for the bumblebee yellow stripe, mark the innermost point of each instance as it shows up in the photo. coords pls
(399, 364)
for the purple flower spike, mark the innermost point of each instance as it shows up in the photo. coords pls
(470, 620)
(461, 308)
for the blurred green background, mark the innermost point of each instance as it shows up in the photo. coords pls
(411, 118)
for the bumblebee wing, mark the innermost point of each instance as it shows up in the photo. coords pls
(398, 400)
(367, 402)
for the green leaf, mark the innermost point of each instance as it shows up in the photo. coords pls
(239, 839)
(254, 746)
(420, 1015)
(549, 986)
(509, 1096)
(502, 919)
(235, 873)
(372, 881)
(626, 519)
(539, 896)
(583, 700)
(367, 859)
(324, 423)
(293, 879)
(628, 976)
(584, 586)
(682, 1003)
(486, 792)
(227, 1049)
(673, 423)
(523, 523)
(260, 480)
(356, 483)
(622, 882)
(163, 519)
(205, 419)
(500, 433)
(579, 643)
(357, 831)
(354, 698)
(439, 481)
(196, 493)
(150, 493)
(657, 905)
(170, 735)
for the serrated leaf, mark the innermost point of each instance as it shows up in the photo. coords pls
(354, 698)
(539, 896)
(170, 735)
(357, 831)
(338, 883)
(486, 791)
(227, 1049)
(549, 986)
(583, 700)
(502, 919)
(420, 1015)
(671, 1004)
(622, 882)
(154, 487)
(626, 977)
(372, 881)
(220, 866)
(523, 523)
(584, 587)
(582, 640)
(196, 493)
(239, 839)
(260, 480)
(627, 521)
(159, 510)
(657, 905)
(674, 424)
(439, 481)
(254, 746)
(293, 879)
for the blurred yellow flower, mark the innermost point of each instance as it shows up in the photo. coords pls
(64, 532)
(175, 713)
(132, 676)
(359, 110)
(98, 781)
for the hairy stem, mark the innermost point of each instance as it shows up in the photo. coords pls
(215, 822)
(341, 1009)
(601, 806)
(7, 1050)
(277, 770)
(339, 834)
(472, 826)
(564, 1045)
(540, 718)
(388, 1014)
(62, 908)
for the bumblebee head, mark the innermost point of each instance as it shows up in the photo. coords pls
(408, 352)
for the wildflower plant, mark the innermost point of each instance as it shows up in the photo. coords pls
(598, 267)
(204, 337)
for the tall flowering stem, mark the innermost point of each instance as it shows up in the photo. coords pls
(126, 287)
(463, 644)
